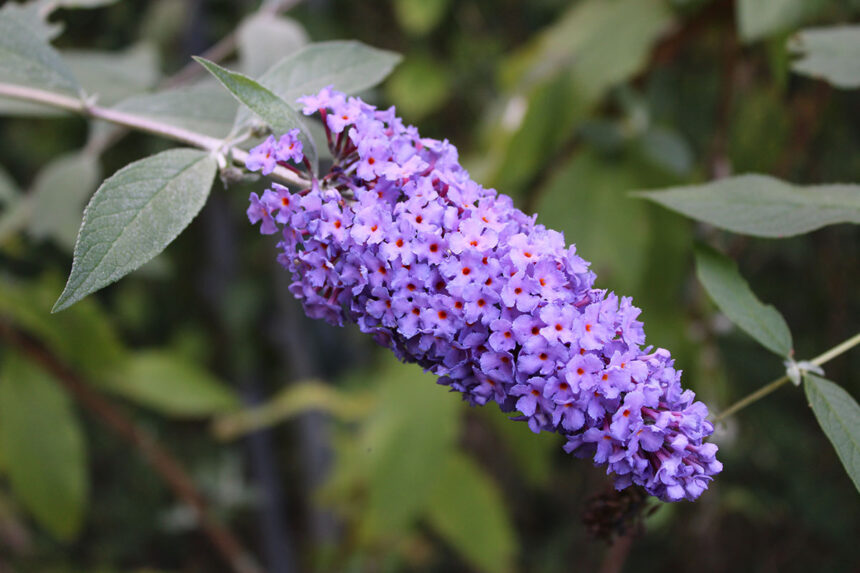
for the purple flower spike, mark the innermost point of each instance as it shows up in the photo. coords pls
(399, 240)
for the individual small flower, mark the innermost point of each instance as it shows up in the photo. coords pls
(263, 158)
(398, 239)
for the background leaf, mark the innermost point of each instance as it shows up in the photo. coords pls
(271, 109)
(44, 448)
(557, 79)
(347, 65)
(468, 511)
(839, 416)
(203, 107)
(113, 76)
(763, 206)
(265, 39)
(419, 17)
(134, 215)
(412, 429)
(28, 60)
(721, 279)
(166, 382)
(9, 192)
(84, 337)
(758, 19)
(829, 54)
(56, 201)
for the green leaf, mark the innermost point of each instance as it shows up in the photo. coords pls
(171, 385)
(830, 54)
(264, 40)
(113, 76)
(419, 17)
(134, 215)
(271, 109)
(57, 198)
(558, 78)
(83, 4)
(667, 149)
(204, 108)
(839, 416)
(44, 448)
(413, 427)
(420, 86)
(33, 15)
(758, 19)
(347, 65)
(730, 291)
(26, 59)
(297, 398)
(598, 44)
(763, 206)
(83, 337)
(9, 192)
(586, 199)
(468, 511)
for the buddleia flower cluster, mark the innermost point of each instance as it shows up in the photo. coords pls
(398, 239)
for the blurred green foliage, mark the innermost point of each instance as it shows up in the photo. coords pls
(566, 106)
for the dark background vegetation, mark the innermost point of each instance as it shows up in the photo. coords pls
(646, 98)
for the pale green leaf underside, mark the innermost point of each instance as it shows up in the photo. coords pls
(830, 54)
(28, 60)
(171, 385)
(271, 109)
(763, 206)
(730, 291)
(839, 416)
(134, 215)
(43, 447)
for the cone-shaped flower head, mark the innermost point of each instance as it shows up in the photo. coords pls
(399, 240)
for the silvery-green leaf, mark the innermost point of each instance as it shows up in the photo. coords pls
(113, 76)
(829, 54)
(134, 215)
(271, 109)
(203, 107)
(43, 447)
(58, 196)
(26, 59)
(33, 14)
(839, 416)
(265, 39)
(720, 277)
(349, 66)
(763, 206)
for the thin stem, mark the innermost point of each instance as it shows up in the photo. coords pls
(837, 350)
(147, 125)
(772, 386)
(162, 461)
